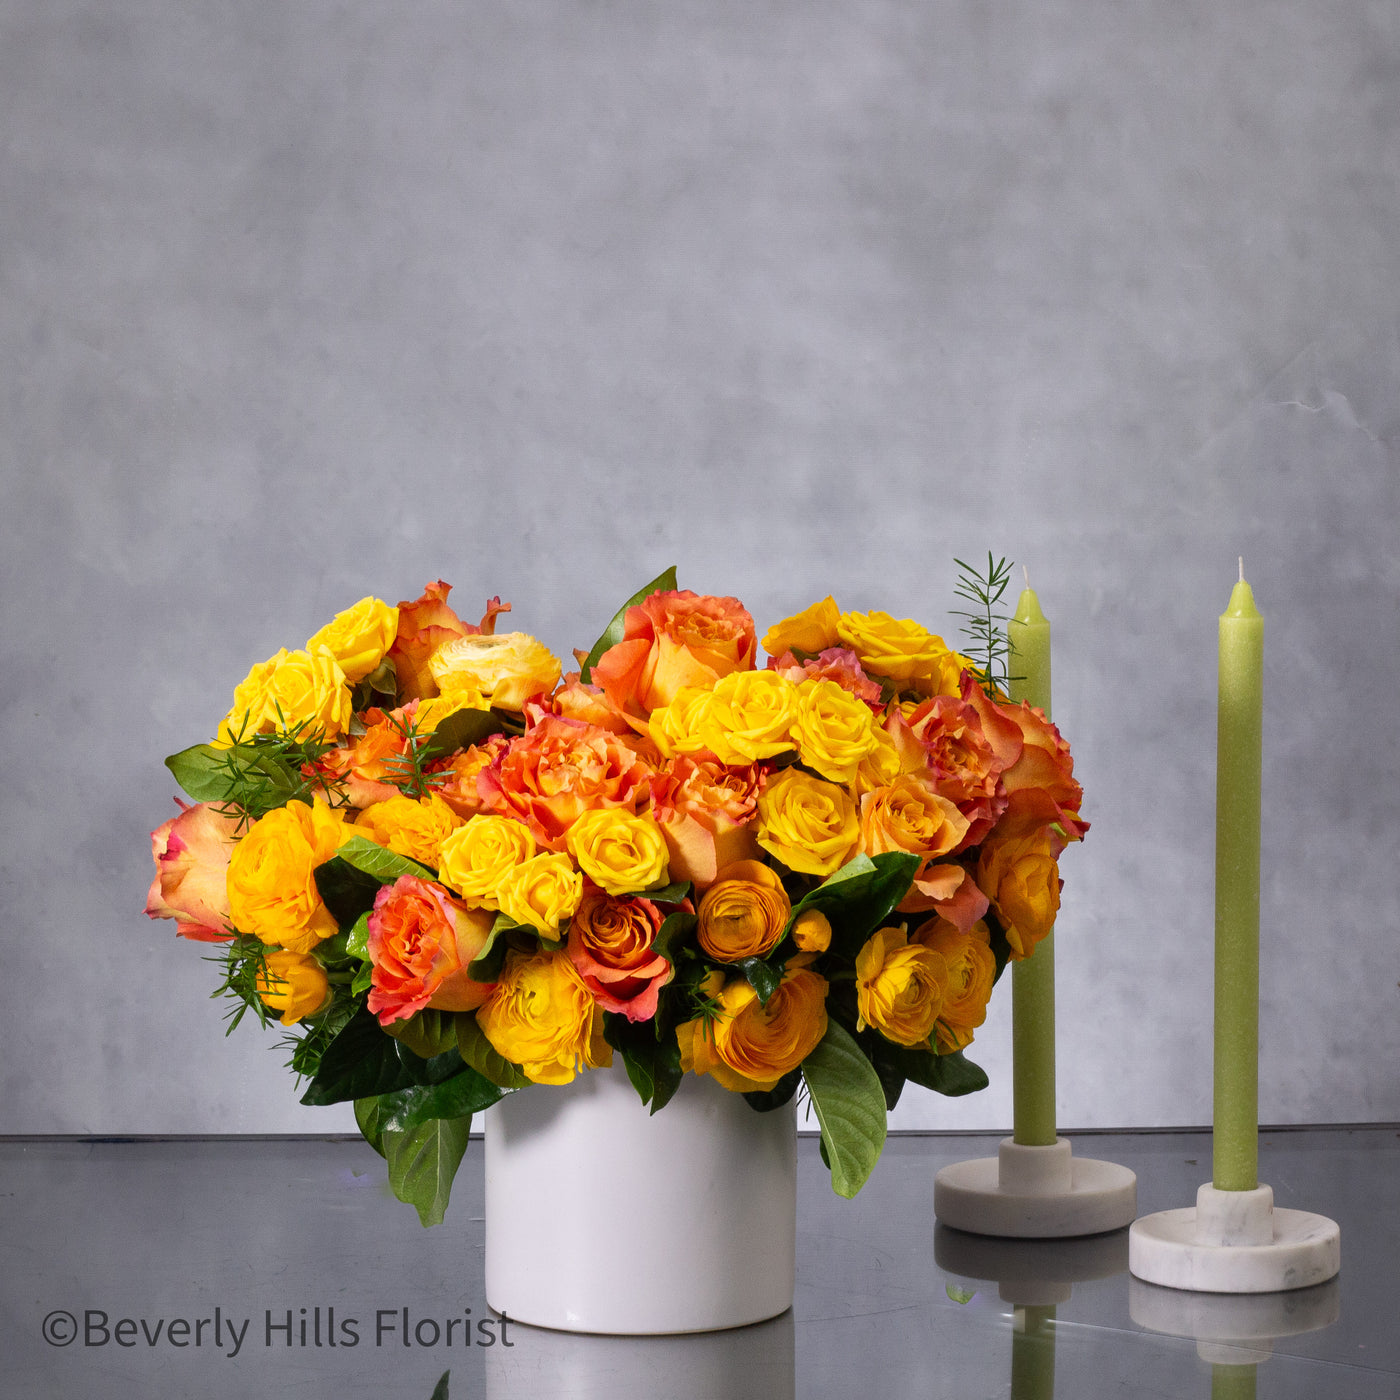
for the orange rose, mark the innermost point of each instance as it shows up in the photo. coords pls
(461, 790)
(559, 769)
(743, 914)
(610, 944)
(908, 815)
(1046, 768)
(833, 664)
(706, 810)
(191, 883)
(574, 700)
(671, 641)
(1016, 870)
(964, 766)
(421, 942)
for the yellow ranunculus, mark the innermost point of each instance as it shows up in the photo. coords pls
(750, 717)
(294, 984)
(900, 987)
(901, 649)
(542, 892)
(620, 852)
(271, 875)
(810, 825)
(972, 969)
(359, 637)
(541, 1017)
(476, 857)
(748, 1047)
(835, 731)
(810, 631)
(294, 689)
(743, 914)
(508, 668)
(412, 827)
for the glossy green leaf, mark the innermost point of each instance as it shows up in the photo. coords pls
(357, 941)
(664, 582)
(440, 1389)
(762, 976)
(674, 930)
(652, 1062)
(951, 1075)
(860, 897)
(766, 1100)
(460, 730)
(367, 1120)
(850, 1106)
(363, 1060)
(210, 774)
(483, 1057)
(347, 892)
(386, 866)
(423, 1162)
(466, 1093)
(486, 966)
(428, 1034)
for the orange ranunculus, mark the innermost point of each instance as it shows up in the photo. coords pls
(972, 969)
(671, 641)
(191, 882)
(543, 1018)
(421, 942)
(812, 630)
(423, 627)
(610, 943)
(559, 769)
(1017, 871)
(706, 810)
(964, 766)
(743, 914)
(749, 1047)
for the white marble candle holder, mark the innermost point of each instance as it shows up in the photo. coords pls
(1235, 1242)
(1035, 1193)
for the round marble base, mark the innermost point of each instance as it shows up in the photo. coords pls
(1235, 1242)
(1035, 1193)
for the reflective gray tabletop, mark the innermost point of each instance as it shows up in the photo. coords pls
(233, 1266)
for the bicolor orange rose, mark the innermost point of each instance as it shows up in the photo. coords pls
(421, 942)
(706, 810)
(671, 641)
(191, 853)
(909, 815)
(964, 766)
(461, 787)
(424, 626)
(1045, 767)
(610, 944)
(837, 664)
(589, 703)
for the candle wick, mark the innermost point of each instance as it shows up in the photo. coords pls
(1241, 568)
(1026, 574)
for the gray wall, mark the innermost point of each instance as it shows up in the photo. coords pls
(300, 301)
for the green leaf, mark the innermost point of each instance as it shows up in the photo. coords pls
(367, 1120)
(440, 1389)
(762, 976)
(486, 966)
(674, 930)
(210, 774)
(386, 866)
(850, 1107)
(951, 1075)
(860, 897)
(483, 1057)
(428, 1033)
(673, 893)
(357, 941)
(423, 1162)
(347, 892)
(467, 1092)
(460, 730)
(765, 1101)
(364, 979)
(652, 1062)
(663, 583)
(363, 1060)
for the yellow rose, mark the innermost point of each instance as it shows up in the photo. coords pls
(411, 827)
(743, 914)
(677, 728)
(294, 984)
(900, 987)
(359, 637)
(810, 825)
(271, 875)
(909, 815)
(902, 650)
(750, 717)
(294, 689)
(508, 669)
(881, 766)
(835, 732)
(810, 631)
(620, 852)
(542, 892)
(811, 931)
(972, 969)
(749, 1047)
(541, 1017)
(478, 856)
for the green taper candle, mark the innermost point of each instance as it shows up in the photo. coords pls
(1239, 735)
(1032, 978)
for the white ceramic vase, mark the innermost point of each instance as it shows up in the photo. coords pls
(601, 1217)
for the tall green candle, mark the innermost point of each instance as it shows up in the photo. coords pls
(1032, 978)
(1239, 734)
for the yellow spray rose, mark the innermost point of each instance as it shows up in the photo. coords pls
(810, 631)
(294, 984)
(750, 717)
(810, 825)
(619, 851)
(291, 690)
(743, 914)
(881, 766)
(748, 1047)
(271, 875)
(541, 1017)
(678, 728)
(542, 892)
(359, 637)
(479, 855)
(507, 669)
(412, 827)
(900, 987)
(835, 731)
(902, 650)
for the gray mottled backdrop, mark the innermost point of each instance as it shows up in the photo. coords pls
(301, 301)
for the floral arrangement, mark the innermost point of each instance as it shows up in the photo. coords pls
(456, 872)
